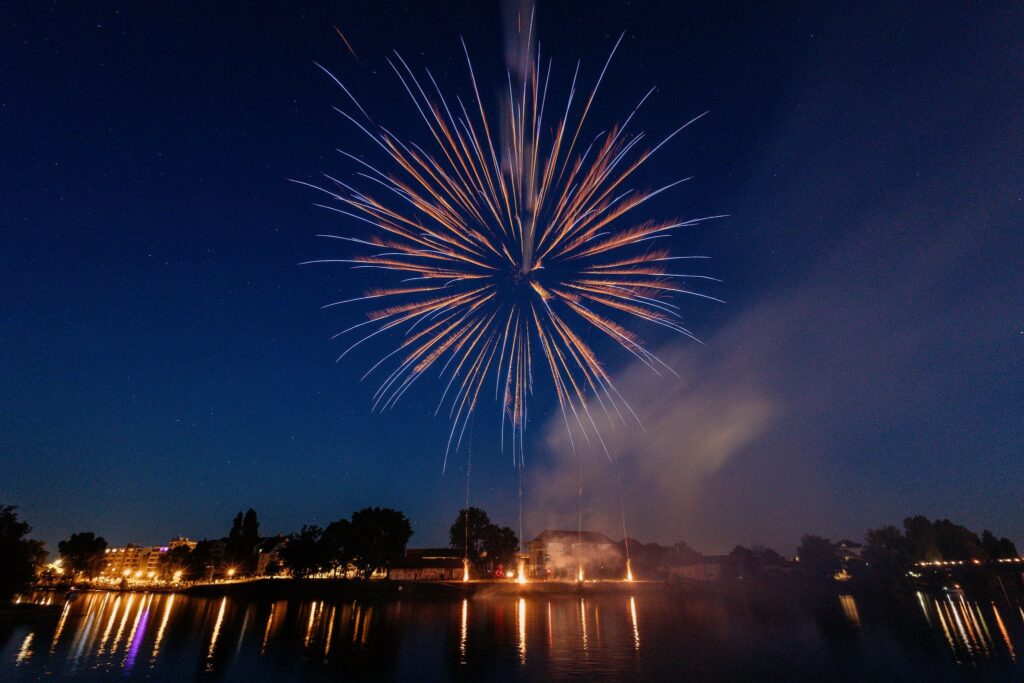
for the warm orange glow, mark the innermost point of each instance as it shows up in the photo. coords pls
(465, 570)
(467, 245)
(1006, 636)
(231, 572)
(579, 576)
(629, 571)
(464, 632)
(521, 622)
(632, 618)
(849, 606)
(521, 574)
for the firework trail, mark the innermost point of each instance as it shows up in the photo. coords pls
(508, 235)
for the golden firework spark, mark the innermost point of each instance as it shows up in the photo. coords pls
(506, 246)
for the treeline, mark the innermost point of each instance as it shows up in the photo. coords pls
(489, 547)
(892, 553)
(20, 555)
(366, 542)
(369, 540)
(889, 555)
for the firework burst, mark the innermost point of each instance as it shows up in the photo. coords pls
(508, 235)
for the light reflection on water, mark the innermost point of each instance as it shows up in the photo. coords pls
(507, 637)
(965, 627)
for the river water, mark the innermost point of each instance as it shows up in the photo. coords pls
(647, 636)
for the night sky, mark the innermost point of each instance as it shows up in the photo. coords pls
(164, 361)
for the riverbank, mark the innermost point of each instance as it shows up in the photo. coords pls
(328, 589)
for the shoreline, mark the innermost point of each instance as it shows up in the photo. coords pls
(382, 590)
(278, 589)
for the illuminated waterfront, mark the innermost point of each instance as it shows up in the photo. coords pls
(647, 636)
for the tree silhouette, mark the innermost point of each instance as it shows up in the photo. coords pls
(83, 554)
(501, 544)
(475, 537)
(469, 533)
(176, 560)
(19, 556)
(337, 545)
(242, 541)
(818, 556)
(379, 536)
(997, 549)
(889, 554)
(303, 554)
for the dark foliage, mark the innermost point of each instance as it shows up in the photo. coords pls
(83, 554)
(337, 546)
(469, 533)
(19, 556)
(242, 541)
(379, 536)
(175, 560)
(890, 553)
(489, 545)
(818, 557)
(303, 554)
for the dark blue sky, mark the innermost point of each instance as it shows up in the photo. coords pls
(164, 362)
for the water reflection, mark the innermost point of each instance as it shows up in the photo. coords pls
(464, 631)
(583, 623)
(632, 620)
(177, 637)
(849, 606)
(24, 652)
(216, 633)
(965, 627)
(521, 621)
(1005, 634)
(137, 634)
(168, 604)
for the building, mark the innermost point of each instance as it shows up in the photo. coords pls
(133, 561)
(559, 554)
(848, 550)
(182, 542)
(428, 564)
(139, 562)
(268, 553)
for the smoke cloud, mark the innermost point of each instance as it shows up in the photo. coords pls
(790, 419)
